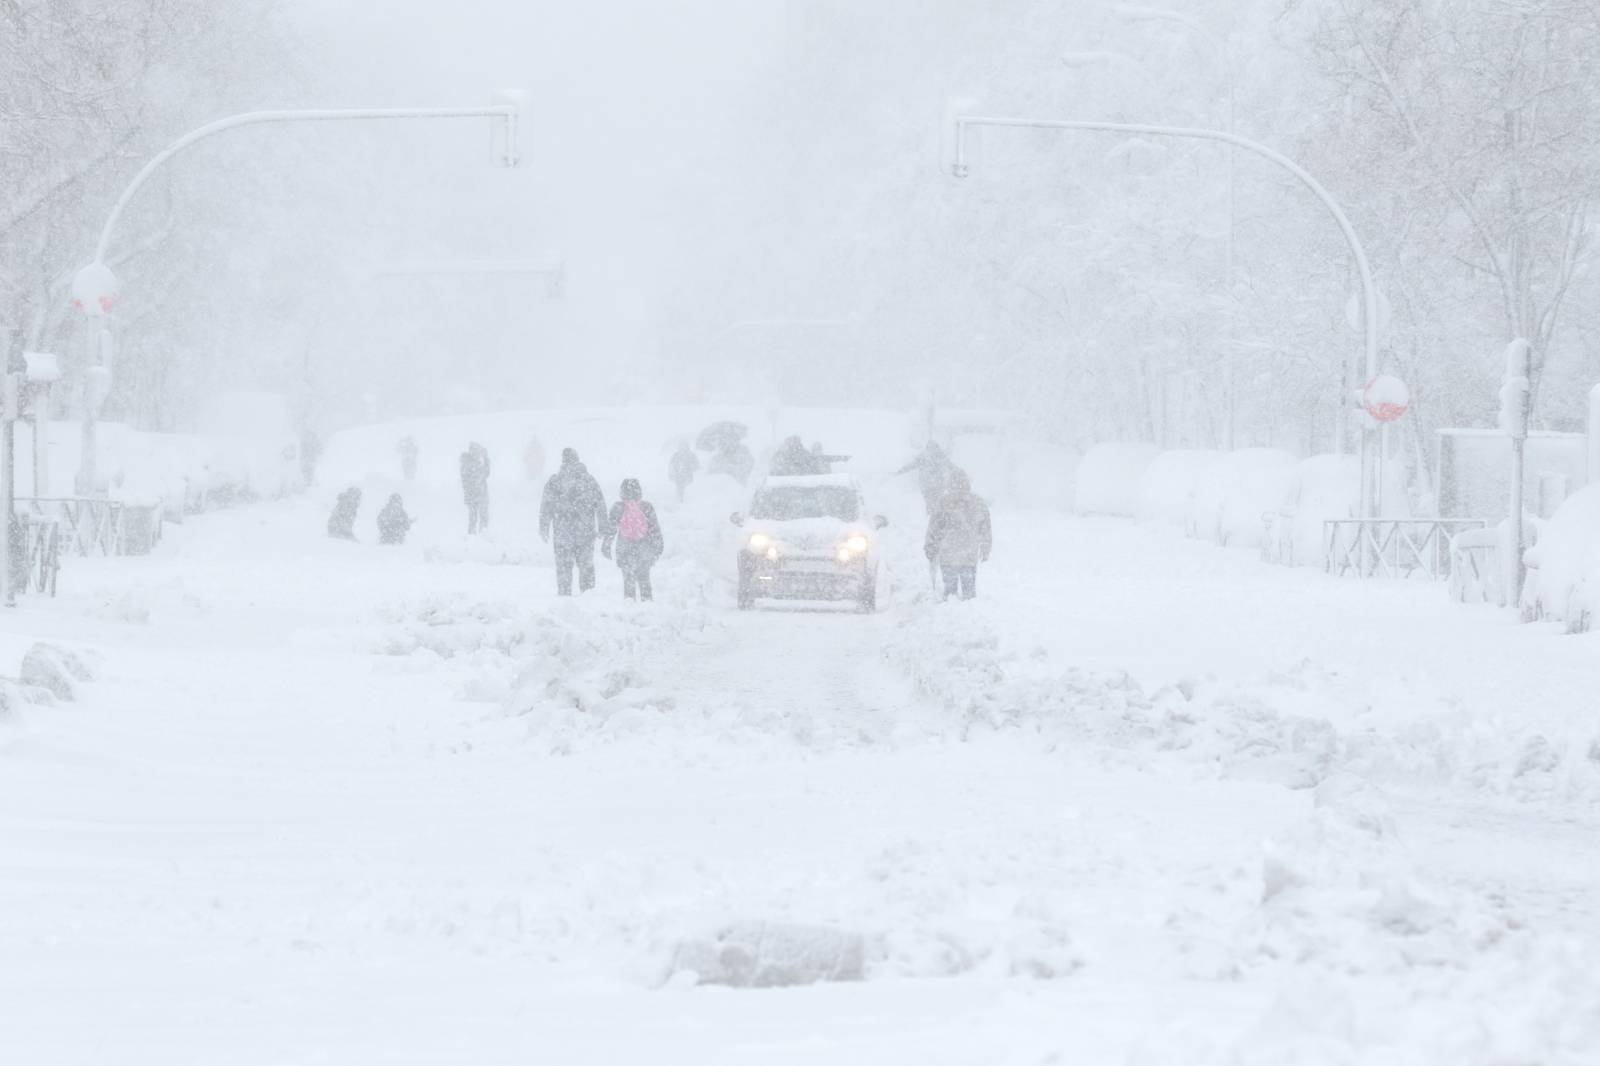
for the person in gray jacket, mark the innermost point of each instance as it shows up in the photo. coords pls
(572, 512)
(959, 537)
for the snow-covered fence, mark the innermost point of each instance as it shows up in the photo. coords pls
(95, 526)
(1478, 570)
(39, 562)
(1392, 547)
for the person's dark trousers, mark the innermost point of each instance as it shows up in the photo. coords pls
(962, 579)
(570, 554)
(636, 580)
(477, 515)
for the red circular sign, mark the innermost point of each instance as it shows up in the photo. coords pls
(1386, 398)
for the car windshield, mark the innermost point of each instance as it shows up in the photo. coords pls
(788, 503)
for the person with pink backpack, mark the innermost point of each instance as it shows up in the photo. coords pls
(637, 536)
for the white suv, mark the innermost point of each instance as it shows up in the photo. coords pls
(808, 538)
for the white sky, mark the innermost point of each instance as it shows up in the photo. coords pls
(641, 146)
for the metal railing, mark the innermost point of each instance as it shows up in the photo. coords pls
(96, 527)
(1392, 547)
(1476, 571)
(41, 554)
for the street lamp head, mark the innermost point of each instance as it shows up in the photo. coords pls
(507, 141)
(958, 143)
(95, 290)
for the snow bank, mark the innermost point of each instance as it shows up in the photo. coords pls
(188, 473)
(1285, 728)
(1323, 487)
(1168, 489)
(1042, 475)
(1564, 574)
(1109, 478)
(1237, 494)
(253, 442)
(1234, 498)
(770, 955)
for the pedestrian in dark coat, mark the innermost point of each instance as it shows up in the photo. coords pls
(342, 522)
(933, 469)
(393, 522)
(572, 513)
(681, 468)
(794, 460)
(637, 534)
(959, 537)
(475, 486)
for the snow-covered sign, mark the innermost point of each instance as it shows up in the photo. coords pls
(43, 368)
(1516, 389)
(1386, 398)
(95, 290)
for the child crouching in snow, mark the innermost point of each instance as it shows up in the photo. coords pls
(637, 536)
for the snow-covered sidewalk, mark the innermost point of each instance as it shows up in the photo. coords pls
(1146, 801)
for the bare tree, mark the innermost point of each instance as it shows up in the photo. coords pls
(1478, 134)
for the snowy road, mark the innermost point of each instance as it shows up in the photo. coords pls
(330, 804)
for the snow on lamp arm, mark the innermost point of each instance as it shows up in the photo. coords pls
(95, 290)
(1369, 294)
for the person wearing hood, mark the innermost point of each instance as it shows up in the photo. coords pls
(793, 459)
(959, 537)
(636, 532)
(572, 513)
(393, 522)
(475, 486)
(342, 522)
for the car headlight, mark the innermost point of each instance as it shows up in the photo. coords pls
(857, 544)
(758, 542)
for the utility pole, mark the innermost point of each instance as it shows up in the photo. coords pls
(1515, 392)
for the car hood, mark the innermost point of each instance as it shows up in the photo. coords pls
(806, 533)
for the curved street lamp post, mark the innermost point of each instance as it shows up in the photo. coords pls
(95, 289)
(960, 168)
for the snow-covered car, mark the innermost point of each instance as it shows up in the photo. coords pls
(1564, 566)
(808, 538)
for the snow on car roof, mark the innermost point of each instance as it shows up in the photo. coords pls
(809, 481)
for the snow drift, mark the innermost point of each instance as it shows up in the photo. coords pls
(1564, 567)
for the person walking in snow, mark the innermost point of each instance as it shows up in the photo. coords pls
(475, 486)
(342, 522)
(959, 537)
(637, 535)
(408, 457)
(933, 469)
(682, 466)
(393, 522)
(572, 512)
